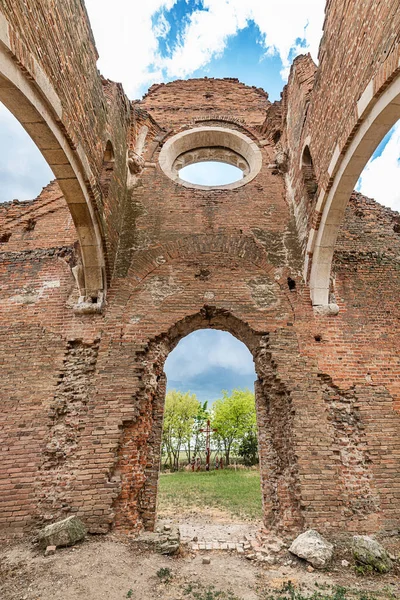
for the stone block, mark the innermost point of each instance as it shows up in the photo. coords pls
(368, 551)
(63, 533)
(311, 546)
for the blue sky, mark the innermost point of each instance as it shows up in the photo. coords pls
(141, 43)
(160, 40)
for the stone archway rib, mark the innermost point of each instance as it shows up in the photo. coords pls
(378, 116)
(35, 104)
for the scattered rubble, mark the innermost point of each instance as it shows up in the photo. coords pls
(166, 539)
(345, 563)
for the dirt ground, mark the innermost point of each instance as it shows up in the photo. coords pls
(114, 567)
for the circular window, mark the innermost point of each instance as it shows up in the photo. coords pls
(212, 145)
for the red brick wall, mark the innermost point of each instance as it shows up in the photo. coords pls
(83, 395)
(295, 107)
(57, 35)
(41, 223)
(360, 41)
(179, 103)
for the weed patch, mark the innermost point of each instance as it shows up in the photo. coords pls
(198, 592)
(164, 574)
(324, 592)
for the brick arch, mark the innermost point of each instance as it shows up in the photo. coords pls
(32, 100)
(139, 455)
(241, 247)
(377, 113)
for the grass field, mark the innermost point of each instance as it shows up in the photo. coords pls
(235, 492)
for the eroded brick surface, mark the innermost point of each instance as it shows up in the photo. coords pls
(83, 394)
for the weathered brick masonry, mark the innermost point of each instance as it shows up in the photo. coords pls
(83, 391)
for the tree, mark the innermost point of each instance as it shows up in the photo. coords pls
(180, 412)
(200, 419)
(248, 449)
(234, 417)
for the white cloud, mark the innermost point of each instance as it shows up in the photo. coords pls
(205, 35)
(281, 24)
(210, 173)
(285, 23)
(128, 44)
(381, 176)
(127, 41)
(203, 350)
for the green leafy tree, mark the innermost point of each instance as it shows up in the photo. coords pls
(199, 422)
(234, 417)
(248, 449)
(180, 413)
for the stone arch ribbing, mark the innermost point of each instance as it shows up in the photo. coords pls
(31, 98)
(237, 148)
(378, 111)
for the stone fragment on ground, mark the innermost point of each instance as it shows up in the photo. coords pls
(311, 546)
(345, 563)
(251, 556)
(368, 551)
(63, 533)
(166, 539)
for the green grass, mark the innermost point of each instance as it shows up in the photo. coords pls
(236, 492)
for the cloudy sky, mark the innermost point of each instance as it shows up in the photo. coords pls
(151, 41)
(208, 361)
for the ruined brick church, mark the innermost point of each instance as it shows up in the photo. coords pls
(119, 258)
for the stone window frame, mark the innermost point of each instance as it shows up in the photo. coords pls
(211, 143)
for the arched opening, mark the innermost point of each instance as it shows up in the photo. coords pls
(107, 169)
(380, 176)
(37, 107)
(211, 144)
(309, 178)
(139, 460)
(378, 117)
(211, 173)
(209, 461)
